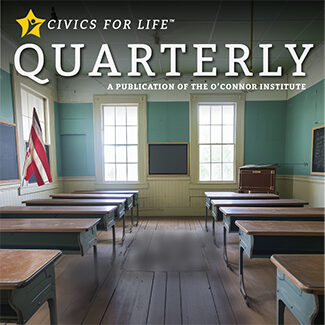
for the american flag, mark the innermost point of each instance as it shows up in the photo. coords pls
(36, 159)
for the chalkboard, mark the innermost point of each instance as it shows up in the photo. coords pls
(168, 158)
(317, 155)
(8, 152)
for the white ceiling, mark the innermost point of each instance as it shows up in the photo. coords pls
(220, 22)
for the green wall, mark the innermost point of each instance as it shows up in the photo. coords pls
(168, 121)
(304, 111)
(75, 139)
(265, 132)
(6, 102)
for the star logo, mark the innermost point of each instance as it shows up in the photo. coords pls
(30, 25)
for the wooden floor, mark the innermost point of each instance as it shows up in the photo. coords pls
(168, 271)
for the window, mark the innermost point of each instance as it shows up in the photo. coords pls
(29, 100)
(120, 142)
(216, 132)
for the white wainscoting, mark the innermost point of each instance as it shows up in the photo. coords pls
(306, 188)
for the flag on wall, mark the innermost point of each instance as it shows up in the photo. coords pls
(36, 159)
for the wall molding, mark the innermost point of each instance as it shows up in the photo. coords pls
(301, 178)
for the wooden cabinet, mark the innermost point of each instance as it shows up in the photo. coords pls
(257, 179)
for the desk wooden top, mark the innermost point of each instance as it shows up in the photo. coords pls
(237, 196)
(47, 225)
(75, 202)
(19, 266)
(90, 196)
(281, 228)
(305, 271)
(253, 203)
(108, 191)
(273, 212)
(100, 210)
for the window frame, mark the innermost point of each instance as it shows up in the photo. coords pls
(47, 93)
(101, 100)
(195, 100)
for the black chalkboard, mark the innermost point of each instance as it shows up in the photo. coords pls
(317, 156)
(8, 152)
(168, 158)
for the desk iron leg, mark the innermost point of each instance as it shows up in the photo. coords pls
(131, 226)
(280, 306)
(137, 215)
(123, 235)
(96, 265)
(214, 231)
(113, 233)
(241, 273)
(206, 218)
(53, 312)
(225, 255)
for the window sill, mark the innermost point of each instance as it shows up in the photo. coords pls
(34, 188)
(121, 185)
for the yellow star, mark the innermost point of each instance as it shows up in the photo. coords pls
(30, 25)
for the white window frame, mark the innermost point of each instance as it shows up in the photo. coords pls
(195, 100)
(141, 102)
(19, 82)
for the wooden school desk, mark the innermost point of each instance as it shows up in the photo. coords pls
(135, 194)
(209, 196)
(119, 203)
(216, 204)
(71, 236)
(231, 214)
(128, 197)
(106, 214)
(260, 239)
(300, 287)
(27, 280)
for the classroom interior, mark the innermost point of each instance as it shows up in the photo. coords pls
(142, 163)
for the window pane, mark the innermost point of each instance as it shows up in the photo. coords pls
(132, 115)
(109, 115)
(39, 105)
(216, 115)
(204, 134)
(109, 172)
(120, 135)
(228, 114)
(216, 172)
(132, 136)
(228, 134)
(121, 172)
(132, 153)
(228, 153)
(132, 172)
(24, 102)
(26, 128)
(121, 154)
(109, 153)
(120, 115)
(109, 135)
(215, 134)
(204, 172)
(204, 114)
(204, 153)
(31, 104)
(228, 171)
(216, 153)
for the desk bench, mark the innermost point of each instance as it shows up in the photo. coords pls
(119, 203)
(92, 196)
(300, 287)
(209, 196)
(231, 214)
(260, 239)
(105, 213)
(135, 194)
(27, 280)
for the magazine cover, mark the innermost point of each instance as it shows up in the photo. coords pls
(162, 162)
